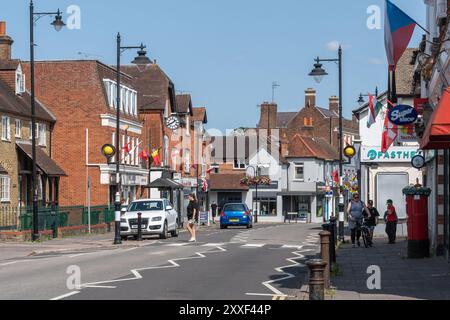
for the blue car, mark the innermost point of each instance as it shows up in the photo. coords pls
(236, 214)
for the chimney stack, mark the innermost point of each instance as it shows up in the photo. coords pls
(334, 104)
(5, 43)
(269, 114)
(310, 98)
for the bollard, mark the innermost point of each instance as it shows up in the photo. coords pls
(325, 254)
(139, 237)
(333, 240)
(316, 280)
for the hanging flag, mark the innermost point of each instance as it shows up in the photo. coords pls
(127, 148)
(399, 28)
(336, 177)
(194, 166)
(372, 118)
(375, 108)
(390, 133)
(205, 185)
(155, 157)
(143, 155)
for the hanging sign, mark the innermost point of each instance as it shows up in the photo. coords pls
(402, 115)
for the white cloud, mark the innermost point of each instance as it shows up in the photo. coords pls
(376, 61)
(334, 45)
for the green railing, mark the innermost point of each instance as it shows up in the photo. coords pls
(54, 218)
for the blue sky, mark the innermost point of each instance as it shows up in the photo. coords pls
(226, 53)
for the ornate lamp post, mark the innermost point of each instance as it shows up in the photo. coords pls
(58, 24)
(140, 60)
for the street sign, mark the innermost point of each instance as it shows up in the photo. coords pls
(203, 217)
(402, 115)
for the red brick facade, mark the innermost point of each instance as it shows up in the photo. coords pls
(75, 92)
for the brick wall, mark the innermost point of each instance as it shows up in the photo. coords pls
(75, 94)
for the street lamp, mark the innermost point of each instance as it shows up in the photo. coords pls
(361, 100)
(256, 174)
(58, 24)
(141, 61)
(318, 73)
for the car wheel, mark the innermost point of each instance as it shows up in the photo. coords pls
(175, 232)
(124, 238)
(223, 227)
(164, 234)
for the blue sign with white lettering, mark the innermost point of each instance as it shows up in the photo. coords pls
(403, 115)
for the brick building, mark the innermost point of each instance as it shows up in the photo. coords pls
(15, 143)
(82, 95)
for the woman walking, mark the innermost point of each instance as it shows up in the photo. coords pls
(192, 215)
(391, 219)
(355, 218)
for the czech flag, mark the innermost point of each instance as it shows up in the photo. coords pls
(399, 28)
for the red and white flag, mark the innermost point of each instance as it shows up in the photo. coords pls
(390, 132)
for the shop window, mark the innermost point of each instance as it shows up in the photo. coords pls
(266, 206)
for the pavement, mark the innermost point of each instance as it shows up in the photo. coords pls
(264, 263)
(401, 278)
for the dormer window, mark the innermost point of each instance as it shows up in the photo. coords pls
(20, 81)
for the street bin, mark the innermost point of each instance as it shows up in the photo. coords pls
(417, 221)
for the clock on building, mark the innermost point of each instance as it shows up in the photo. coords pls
(173, 123)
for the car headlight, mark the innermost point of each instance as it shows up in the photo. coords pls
(157, 219)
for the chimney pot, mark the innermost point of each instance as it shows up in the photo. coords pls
(2, 28)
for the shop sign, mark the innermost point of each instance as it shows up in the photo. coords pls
(189, 183)
(402, 115)
(394, 154)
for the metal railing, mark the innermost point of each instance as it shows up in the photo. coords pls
(15, 219)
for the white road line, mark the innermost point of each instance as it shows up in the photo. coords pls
(256, 245)
(172, 264)
(213, 244)
(299, 255)
(100, 287)
(177, 244)
(286, 246)
(65, 295)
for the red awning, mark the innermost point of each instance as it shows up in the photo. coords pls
(437, 134)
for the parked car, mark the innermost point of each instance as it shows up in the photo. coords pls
(236, 214)
(158, 218)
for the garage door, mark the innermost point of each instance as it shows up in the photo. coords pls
(390, 186)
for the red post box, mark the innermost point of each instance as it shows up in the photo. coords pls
(418, 241)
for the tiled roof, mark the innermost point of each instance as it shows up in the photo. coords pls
(283, 118)
(153, 85)
(184, 103)
(308, 147)
(199, 114)
(12, 103)
(327, 113)
(227, 182)
(43, 161)
(9, 64)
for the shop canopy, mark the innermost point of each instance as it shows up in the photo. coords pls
(43, 161)
(165, 183)
(437, 133)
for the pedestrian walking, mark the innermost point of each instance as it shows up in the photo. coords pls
(391, 219)
(214, 211)
(192, 215)
(371, 221)
(355, 218)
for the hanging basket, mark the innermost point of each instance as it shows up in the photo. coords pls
(256, 181)
(416, 191)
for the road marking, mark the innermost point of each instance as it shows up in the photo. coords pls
(177, 244)
(99, 287)
(213, 244)
(253, 245)
(65, 295)
(286, 246)
(172, 264)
